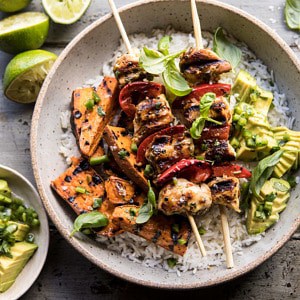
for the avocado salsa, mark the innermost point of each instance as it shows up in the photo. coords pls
(16, 241)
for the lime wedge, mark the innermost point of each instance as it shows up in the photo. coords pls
(25, 74)
(13, 6)
(25, 31)
(65, 11)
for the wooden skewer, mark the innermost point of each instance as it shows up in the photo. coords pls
(197, 235)
(129, 49)
(120, 25)
(224, 220)
(197, 26)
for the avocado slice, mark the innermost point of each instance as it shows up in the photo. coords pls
(21, 232)
(11, 267)
(244, 85)
(261, 100)
(5, 192)
(273, 196)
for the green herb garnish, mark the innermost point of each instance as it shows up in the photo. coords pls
(182, 241)
(225, 49)
(100, 111)
(96, 98)
(198, 125)
(201, 230)
(97, 202)
(123, 153)
(80, 190)
(292, 14)
(99, 160)
(92, 219)
(89, 104)
(171, 262)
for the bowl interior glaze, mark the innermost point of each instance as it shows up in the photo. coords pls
(82, 59)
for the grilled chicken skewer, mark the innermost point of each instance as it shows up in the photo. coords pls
(129, 49)
(217, 68)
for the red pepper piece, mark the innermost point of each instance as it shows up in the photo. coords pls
(137, 91)
(219, 89)
(140, 156)
(231, 170)
(191, 169)
(216, 132)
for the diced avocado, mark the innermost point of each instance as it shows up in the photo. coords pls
(21, 232)
(244, 85)
(289, 140)
(264, 211)
(4, 188)
(11, 267)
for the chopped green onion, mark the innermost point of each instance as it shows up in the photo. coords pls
(132, 212)
(97, 202)
(234, 142)
(96, 98)
(80, 190)
(250, 143)
(182, 241)
(268, 206)
(123, 153)
(270, 197)
(134, 147)
(99, 160)
(90, 104)
(260, 215)
(175, 180)
(201, 230)
(148, 171)
(29, 238)
(242, 121)
(100, 111)
(236, 117)
(171, 262)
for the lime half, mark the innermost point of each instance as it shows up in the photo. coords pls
(25, 74)
(24, 31)
(13, 5)
(65, 11)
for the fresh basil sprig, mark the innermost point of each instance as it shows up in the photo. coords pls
(263, 171)
(198, 125)
(225, 49)
(147, 209)
(292, 13)
(93, 219)
(162, 62)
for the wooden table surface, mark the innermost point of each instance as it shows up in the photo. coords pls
(67, 274)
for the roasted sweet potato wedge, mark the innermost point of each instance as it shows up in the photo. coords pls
(161, 230)
(119, 141)
(88, 122)
(79, 186)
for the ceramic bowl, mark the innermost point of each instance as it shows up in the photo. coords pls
(21, 187)
(82, 59)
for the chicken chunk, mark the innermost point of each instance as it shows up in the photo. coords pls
(165, 150)
(184, 197)
(127, 69)
(226, 191)
(160, 230)
(202, 66)
(151, 115)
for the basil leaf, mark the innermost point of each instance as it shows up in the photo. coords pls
(152, 61)
(225, 49)
(92, 219)
(164, 44)
(292, 13)
(147, 209)
(174, 81)
(198, 125)
(263, 171)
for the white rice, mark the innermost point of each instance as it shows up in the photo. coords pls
(148, 254)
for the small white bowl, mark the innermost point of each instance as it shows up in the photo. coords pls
(21, 187)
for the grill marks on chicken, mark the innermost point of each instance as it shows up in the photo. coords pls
(165, 150)
(162, 230)
(202, 66)
(226, 191)
(184, 197)
(151, 115)
(127, 69)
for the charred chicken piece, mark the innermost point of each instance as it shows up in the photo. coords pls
(184, 197)
(151, 115)
(165, 150)
(158, 230)
(226, 191)
(127, 69)
(202, 66)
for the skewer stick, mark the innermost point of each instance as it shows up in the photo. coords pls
(120, 26)
(129, 49)
(226, 236)
(224, 220)
(197, 235)
(197, 26)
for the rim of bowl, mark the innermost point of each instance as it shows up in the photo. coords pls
(76, 243)
(46, 243)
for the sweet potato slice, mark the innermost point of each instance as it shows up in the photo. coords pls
(119, 141)
(79, 175)
(88, 124)
(161, 230)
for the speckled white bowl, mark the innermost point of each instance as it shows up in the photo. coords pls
(82, 60)
(25, 190)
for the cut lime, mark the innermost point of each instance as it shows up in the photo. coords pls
(25, 74)
(13, 6)
(25, 31)
(65, 11)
